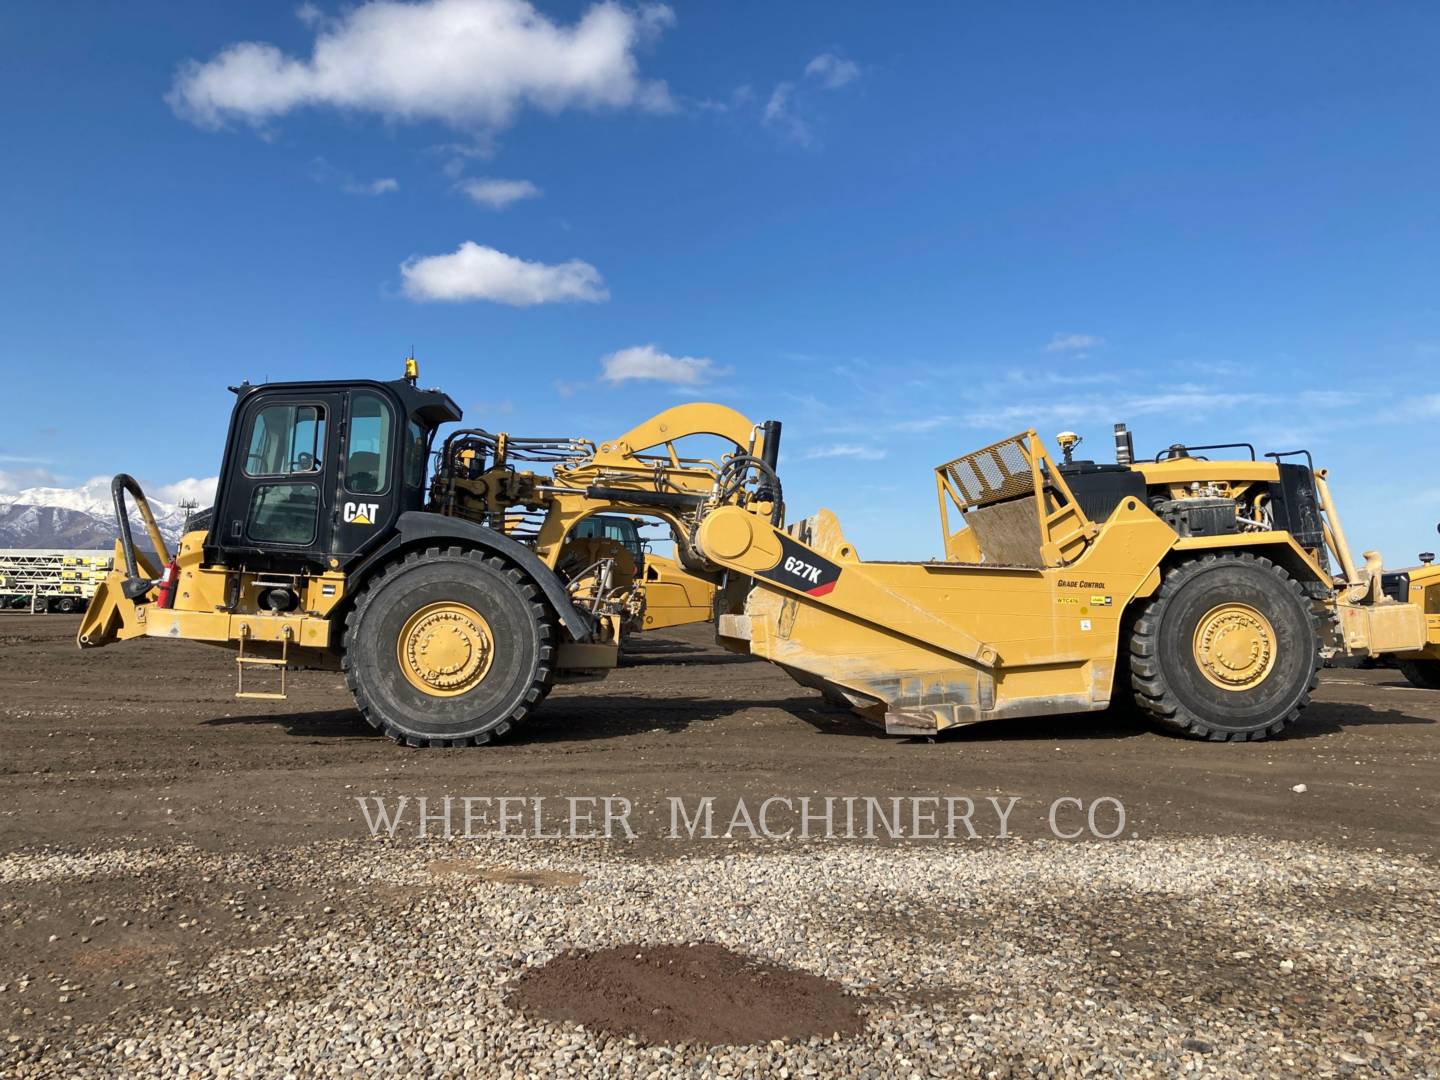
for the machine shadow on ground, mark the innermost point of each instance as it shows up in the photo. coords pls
(585, 718)
(665, 652)
(1123, 721)
(563, 719)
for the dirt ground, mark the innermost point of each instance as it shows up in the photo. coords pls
(144, 742)
(143, 746)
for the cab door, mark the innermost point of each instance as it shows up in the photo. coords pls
(277, 500)
(371, 489)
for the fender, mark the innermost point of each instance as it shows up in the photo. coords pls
(1278, 546)
(414, 526)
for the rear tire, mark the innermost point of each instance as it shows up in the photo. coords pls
(448, 648)
(1422, 673)
(1228, 649)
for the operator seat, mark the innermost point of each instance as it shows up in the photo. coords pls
(363, 473)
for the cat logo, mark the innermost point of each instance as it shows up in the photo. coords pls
(360, 513)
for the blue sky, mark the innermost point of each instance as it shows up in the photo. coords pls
(906, 231)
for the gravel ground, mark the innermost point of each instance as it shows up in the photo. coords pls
(187, 888)
(1204, 956)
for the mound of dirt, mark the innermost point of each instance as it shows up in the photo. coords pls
(686, 994)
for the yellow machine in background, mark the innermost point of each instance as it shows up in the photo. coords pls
(1419, 587)
(1208, 590)
(604, 553)
(674, 596)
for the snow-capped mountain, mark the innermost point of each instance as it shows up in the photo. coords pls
(83, 517)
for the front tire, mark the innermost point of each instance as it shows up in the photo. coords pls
(448, 648)
(1228, 649)
(1424, 674)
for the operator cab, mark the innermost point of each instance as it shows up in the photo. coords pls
(615, 527)
(316, 473)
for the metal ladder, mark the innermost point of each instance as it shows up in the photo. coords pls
(241, 660)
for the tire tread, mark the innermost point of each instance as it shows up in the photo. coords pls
(1157, 699)
(540, 684)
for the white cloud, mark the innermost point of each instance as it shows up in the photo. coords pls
(846, 450)
(921, 424)
(1051, 378)
(473, 64)
(784, 112)
(741, 96)
(475, 272)
(373, 187)
(322, 172)
(1190, 400)
(1073, 342)
(17, 480)
(481, 145)
(832, 71)
(646, 362)
(780, 113)
(1427, 405)
(1332, 399)
(498, 194)
(503, 407)
(200, 492)
(776, 107)
(1182, 401)
(40, 487)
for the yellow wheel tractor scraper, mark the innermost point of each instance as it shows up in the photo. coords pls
(1205, 587)
(455, 594)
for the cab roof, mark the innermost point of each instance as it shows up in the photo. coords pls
(433, 407)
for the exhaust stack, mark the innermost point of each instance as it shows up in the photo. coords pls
(1124, 446)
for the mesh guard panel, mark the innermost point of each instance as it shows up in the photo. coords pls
(997, 472)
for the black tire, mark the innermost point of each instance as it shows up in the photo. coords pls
(1422, 673)
(520, 671)
(1169, 684)
(66, 605)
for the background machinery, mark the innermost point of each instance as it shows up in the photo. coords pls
(40, 580)
(1208, 589)
(1420, 587)
(656, 591)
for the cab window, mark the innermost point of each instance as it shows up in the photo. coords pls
(417, 454)
(367, 462)
(285, 438)
(283, 513)
(609, 527)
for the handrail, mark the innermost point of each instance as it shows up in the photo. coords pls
(135, 586)
(1279, 455)
(1180, 450)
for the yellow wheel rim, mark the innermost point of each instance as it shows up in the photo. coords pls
(445, 649)
(1235, 646)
